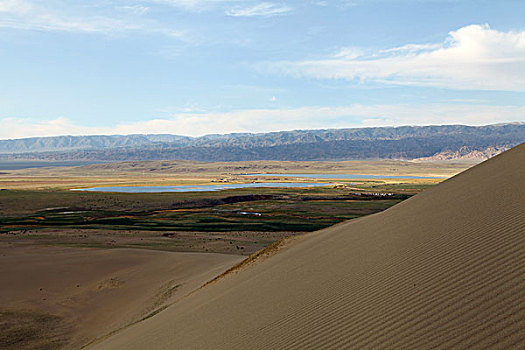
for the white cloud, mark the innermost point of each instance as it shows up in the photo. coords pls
(23, 127)
(265, 9)
(15, 6)
(27, 15)
(265, 120)
(349, 53)
(474, 57)
(194, 5)
(413, 48)
(137, 9)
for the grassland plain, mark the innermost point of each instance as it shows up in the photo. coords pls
(235, 221)
(36, 204)
(191, 173)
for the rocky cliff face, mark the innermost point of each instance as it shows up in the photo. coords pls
(466, 153)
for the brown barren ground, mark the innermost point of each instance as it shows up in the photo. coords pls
(141, 173)
(234, 242)
(53, 297)
(444, 269)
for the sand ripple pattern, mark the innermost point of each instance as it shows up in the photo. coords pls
(442, 270)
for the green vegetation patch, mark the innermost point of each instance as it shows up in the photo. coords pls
(236, 210)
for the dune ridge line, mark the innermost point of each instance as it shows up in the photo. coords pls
(443, 269)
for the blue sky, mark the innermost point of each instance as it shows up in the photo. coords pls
(195, 67)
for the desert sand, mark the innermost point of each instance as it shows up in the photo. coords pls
(56, 297)
(444, 269)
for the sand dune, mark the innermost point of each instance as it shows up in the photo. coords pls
(444, 269)
(55, 296)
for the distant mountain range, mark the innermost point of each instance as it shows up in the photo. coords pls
(443, 142)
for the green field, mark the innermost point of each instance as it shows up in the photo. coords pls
(234, 210)
(37, 207)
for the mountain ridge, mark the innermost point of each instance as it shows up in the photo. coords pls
(404, 142)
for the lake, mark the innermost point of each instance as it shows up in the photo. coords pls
(198, 188)
(345, 176)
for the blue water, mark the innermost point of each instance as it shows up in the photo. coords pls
(196, 188)
(345, 176)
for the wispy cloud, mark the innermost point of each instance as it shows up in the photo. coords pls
(265, 9)
(137, 9)
(28, 15)
(15, 6)
(265, 120)
(474, 57)
(119, 16)
(194, 5)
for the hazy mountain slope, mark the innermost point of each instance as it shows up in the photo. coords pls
(66, 143)
(406, 142)
(466, 153)
(443, 269)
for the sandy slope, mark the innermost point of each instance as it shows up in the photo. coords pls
(443, 269)
(87, 293)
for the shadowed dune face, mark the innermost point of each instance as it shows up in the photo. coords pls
(60, 297)
(443, 269)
